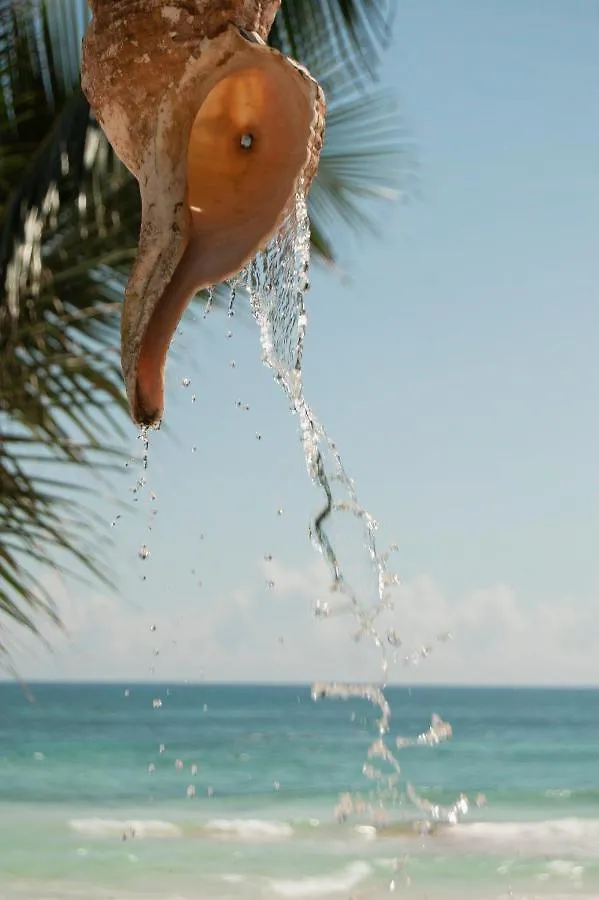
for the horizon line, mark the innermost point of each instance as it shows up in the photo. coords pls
(117, 682)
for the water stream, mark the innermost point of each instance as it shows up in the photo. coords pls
(277, 281)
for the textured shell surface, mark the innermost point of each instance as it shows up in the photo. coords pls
(148, 68)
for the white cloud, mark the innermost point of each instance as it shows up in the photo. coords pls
(258, 634)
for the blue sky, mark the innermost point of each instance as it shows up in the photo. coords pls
(457, 373)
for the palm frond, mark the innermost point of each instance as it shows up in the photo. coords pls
(368, 158)
(335, 37)
(60, 383)
(44, 117)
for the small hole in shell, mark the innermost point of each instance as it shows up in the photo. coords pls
(247, 141)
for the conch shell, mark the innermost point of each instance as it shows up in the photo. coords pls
(219, 130)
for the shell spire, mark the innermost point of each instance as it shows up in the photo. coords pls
(219, 130)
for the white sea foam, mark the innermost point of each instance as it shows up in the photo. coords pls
(250, 829)
(233, 879)
(565, 868)
(367, 831)
(544, 896)
(323, 885)
(580, 836)
(133, 828)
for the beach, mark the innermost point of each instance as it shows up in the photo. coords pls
(230, 792)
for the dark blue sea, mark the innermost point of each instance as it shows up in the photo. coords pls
(172, 792)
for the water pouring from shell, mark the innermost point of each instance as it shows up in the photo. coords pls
(219, 130)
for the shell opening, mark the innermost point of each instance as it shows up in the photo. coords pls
(247, 148)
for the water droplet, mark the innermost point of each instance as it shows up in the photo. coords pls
(115, 520)
(209, 300)
(393, 638)
(143, 552)
(270, 584)
(144, 438)
(229, 334)
(152, 628)
(194, 449)
(156, 703)
(156, 651)
(322, 609)
(258, 436)
(268, 557)
(232, 364)
(280, 511)
(138, 485)
(186, 382)
(193, 398)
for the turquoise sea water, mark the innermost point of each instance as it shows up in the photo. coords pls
(229, 792)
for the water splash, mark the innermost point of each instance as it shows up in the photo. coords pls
(277, 281)
(209, 301)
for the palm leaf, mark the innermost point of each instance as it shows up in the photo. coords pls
(58, 332)
(335, 37)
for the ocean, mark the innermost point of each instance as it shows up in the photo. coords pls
(194, 792)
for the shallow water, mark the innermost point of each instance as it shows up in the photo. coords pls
(81, 815)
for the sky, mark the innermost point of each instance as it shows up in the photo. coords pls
(455, 366)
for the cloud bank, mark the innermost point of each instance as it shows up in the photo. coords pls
(261, 633)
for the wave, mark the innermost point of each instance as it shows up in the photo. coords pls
(126, 829)
(250, 829)
(367, 831)
(233, 879)
(323, 885)
(579, 835)
(565, 868)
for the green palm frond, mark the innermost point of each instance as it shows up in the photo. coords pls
(335, 37)
(368, 158)
(69, 228)
(69, 221)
